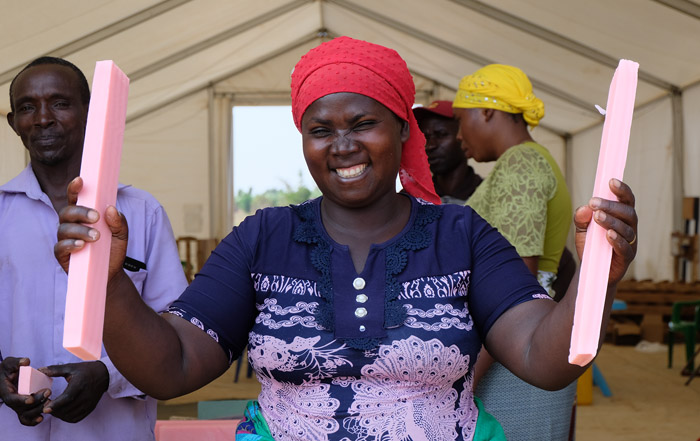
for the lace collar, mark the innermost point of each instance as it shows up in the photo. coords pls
(415, 237)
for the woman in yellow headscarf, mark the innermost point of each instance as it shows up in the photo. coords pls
(525, 197)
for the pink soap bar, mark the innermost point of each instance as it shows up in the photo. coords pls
(188, 430)
(31, 381)
(597, 254)
(87, 277)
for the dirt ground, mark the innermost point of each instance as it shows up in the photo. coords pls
(648, 402)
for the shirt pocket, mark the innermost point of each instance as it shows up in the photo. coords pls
(138, 278)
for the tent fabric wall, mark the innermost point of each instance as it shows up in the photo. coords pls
(691, 136)
(188, 60)
(162, 154)
(649, 172)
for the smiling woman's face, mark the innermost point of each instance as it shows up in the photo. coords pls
(352, 146)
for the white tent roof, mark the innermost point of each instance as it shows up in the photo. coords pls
(171, 48)
(184, 55)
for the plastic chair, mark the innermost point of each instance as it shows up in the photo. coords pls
(688, 328)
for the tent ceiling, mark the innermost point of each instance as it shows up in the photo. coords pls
(173, 48)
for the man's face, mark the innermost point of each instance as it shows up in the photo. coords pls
(49, 114)
(441, 144)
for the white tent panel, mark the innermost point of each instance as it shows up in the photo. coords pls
(272, 76)
(568, 117)
(649, 172)
(661, 39)
(219, 61)
(43, 26)
(163, 154)
(168, 34)
(691, 163)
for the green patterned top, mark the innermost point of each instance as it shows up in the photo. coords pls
(525, 197)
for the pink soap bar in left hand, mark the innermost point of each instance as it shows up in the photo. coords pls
(87, 277)
(597, 253)
(31, 381)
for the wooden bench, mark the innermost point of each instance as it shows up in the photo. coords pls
(648, 307)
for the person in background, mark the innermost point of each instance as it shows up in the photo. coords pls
(454, 179)
(526, 198)
(49, 101)
(363, 310)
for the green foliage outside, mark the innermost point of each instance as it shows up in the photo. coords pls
(248, 203)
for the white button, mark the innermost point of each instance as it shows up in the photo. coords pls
(362, 328)
(361, 298)
(360, 312)
(358, 283)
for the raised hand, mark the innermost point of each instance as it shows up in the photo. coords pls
(74, 230)
(619, 218)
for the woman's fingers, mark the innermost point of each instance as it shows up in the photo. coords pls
(618, 216)
(623, 192)
(582, 219)
(619, 219)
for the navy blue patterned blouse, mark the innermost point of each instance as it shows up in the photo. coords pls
(384, 354)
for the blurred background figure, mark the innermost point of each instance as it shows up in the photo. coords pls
(526, 198)
(453, 178)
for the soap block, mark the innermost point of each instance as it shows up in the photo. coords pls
(87, 277)
(597, 254)
(32, 381)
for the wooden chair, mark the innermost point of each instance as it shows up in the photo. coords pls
(193, 253)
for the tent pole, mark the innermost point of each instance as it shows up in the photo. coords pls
(678, 150)
(220, 164)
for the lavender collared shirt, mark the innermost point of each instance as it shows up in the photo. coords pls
(32, 304)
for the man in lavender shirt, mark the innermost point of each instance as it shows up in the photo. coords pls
(89, 400)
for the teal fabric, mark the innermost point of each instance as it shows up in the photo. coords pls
(487, 427)
(253, 426)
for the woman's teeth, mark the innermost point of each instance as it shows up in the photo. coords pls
(351, 172)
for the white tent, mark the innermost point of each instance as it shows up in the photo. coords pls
(190, 60)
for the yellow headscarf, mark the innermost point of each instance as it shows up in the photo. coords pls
(500, 87)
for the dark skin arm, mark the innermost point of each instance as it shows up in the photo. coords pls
(485, 360)
(180, 358)
(28, 407)
(532, 339)
(531, 262)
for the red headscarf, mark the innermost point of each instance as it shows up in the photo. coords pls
(348, 65)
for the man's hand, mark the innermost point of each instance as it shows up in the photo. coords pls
(27, 407)
(87, 382)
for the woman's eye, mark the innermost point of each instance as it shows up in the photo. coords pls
(364, 125)
(319, 132)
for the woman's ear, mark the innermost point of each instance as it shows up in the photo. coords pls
(405, 131)
(487, 114)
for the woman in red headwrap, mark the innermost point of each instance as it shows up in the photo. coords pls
(363, 310)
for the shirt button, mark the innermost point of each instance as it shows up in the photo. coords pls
(358, 283)
(361, 298)
(362, 328)
(360, 312)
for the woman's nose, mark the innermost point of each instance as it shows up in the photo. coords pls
(343, 143)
